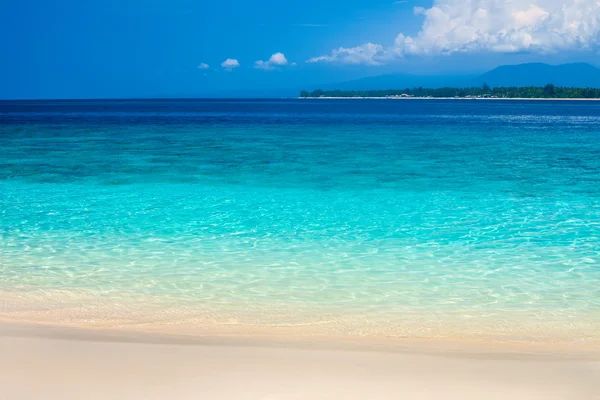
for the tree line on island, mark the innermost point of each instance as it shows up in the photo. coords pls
(532, 92)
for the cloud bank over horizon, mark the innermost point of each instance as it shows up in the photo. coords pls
(367, 54)
(499, 26)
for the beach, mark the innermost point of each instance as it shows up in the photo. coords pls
(58, 363)
(220, 200)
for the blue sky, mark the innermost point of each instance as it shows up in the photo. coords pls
(157, 48)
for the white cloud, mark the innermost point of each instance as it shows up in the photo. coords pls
(230, 64)
(368, 54)
(276, 60)
(260, 64)
(542, 26)
(203, 66)
(503, 26)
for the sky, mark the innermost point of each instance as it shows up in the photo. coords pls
(205, 48)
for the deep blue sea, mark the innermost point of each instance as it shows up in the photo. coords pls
(418, 218)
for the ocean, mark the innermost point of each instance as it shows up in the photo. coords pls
(397, 218)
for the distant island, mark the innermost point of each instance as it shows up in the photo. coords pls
(485, 91)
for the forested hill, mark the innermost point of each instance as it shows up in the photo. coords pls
(531, 92)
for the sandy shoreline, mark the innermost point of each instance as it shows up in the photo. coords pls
(68, 363)
(117, 313)
(170, 322)
(107, 315)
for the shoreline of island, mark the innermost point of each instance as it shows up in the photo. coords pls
(446, 98)
(484, 92)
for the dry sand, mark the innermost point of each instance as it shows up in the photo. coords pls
(40, 362)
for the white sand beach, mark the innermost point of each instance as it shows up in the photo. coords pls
(449, 98)
(41, 362)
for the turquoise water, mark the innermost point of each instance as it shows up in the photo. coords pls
(400, 218)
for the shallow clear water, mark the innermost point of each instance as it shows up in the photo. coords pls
(411, 218)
